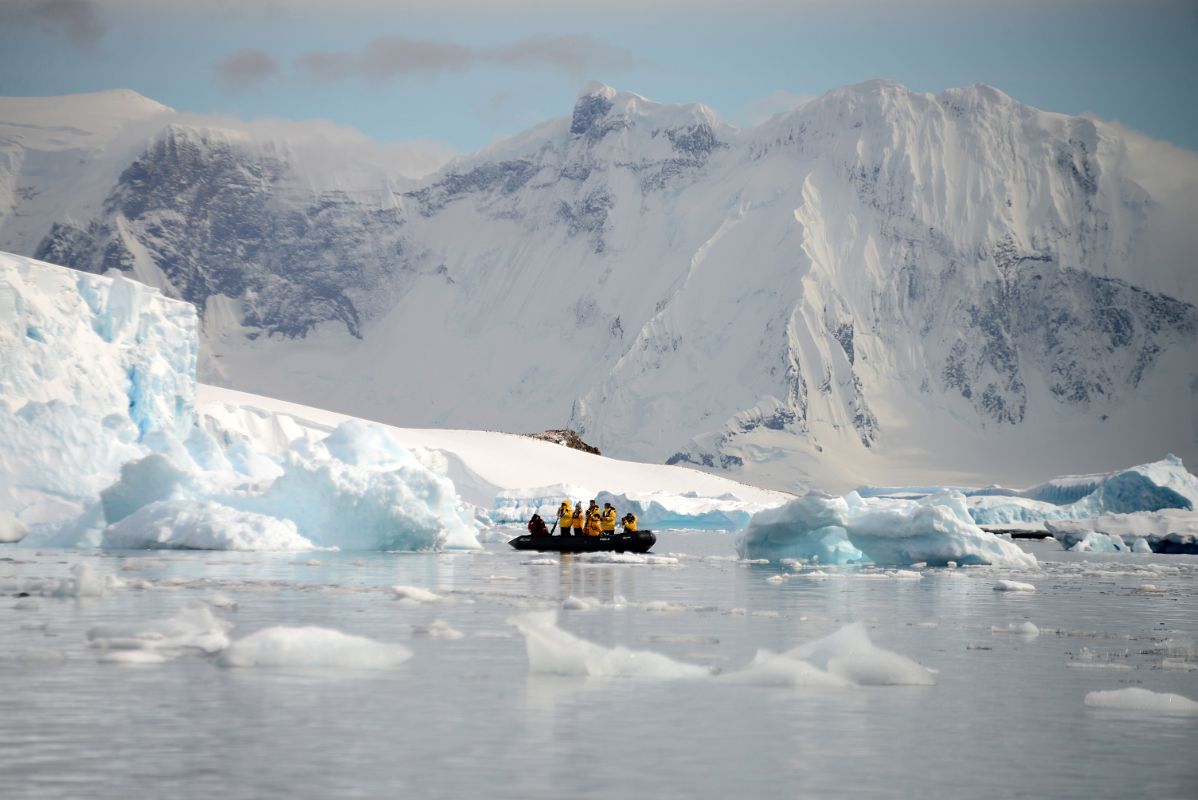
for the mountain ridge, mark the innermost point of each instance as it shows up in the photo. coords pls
(826, 296)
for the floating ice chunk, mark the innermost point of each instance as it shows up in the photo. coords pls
(838, 530)
(437, 629)
(1027, 630)
(1142, 700)
(26, 604)
(84, 582)
(541, 562)
(553, 651)
(627, 558)
(414, 594)
(1141, 546)
(11, 528)
(184, 524)
(851, 655)
(193, 628)
(770, 669)
(573, 603)
(1013, 586)
(312, 647)
(775, 579)
(133, 657)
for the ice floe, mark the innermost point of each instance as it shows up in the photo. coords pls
(312, 647)
(554, 651)
(414, 594)
(1026, 629)
(1142, 700)
(154, 641)
(1005, 585)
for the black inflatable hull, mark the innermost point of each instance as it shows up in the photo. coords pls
(638, 542)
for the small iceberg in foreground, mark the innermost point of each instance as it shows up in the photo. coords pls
(1142, 701)
(892, 531)
(312, 647)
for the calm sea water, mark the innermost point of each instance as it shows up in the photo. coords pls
(465, 718)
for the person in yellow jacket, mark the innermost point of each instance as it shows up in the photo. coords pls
(629, 521)
(565, 516)
(579, 519)
(609, 518)
(594, 521)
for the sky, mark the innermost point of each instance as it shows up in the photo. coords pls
(466, 73)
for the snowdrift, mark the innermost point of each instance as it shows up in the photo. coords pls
(936, 530)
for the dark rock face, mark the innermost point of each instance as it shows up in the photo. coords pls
(1093, 338)
(213, 218)
(589, 113)
(503, 176)
(566, 437)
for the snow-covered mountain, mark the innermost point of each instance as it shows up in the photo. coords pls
(880, 286)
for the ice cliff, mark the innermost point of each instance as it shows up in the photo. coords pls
(101, 442)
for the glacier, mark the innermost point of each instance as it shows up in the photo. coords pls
(101, 442)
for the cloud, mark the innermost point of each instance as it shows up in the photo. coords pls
(387, 58)
(245, 69)
(78, 21)
(761, 109)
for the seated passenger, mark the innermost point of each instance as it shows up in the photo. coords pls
(609, 518)
(629, 521)
(536, 526)
(579, 519)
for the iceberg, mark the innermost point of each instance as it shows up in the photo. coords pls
(893, 531)
(1164, 484)
(1166, 531)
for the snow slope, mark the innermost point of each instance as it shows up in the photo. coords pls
(882, 286)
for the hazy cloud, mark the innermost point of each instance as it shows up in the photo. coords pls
(78, 21)
(245, 69)
(391, 57)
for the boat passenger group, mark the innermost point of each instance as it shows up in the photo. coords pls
(575, 521)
